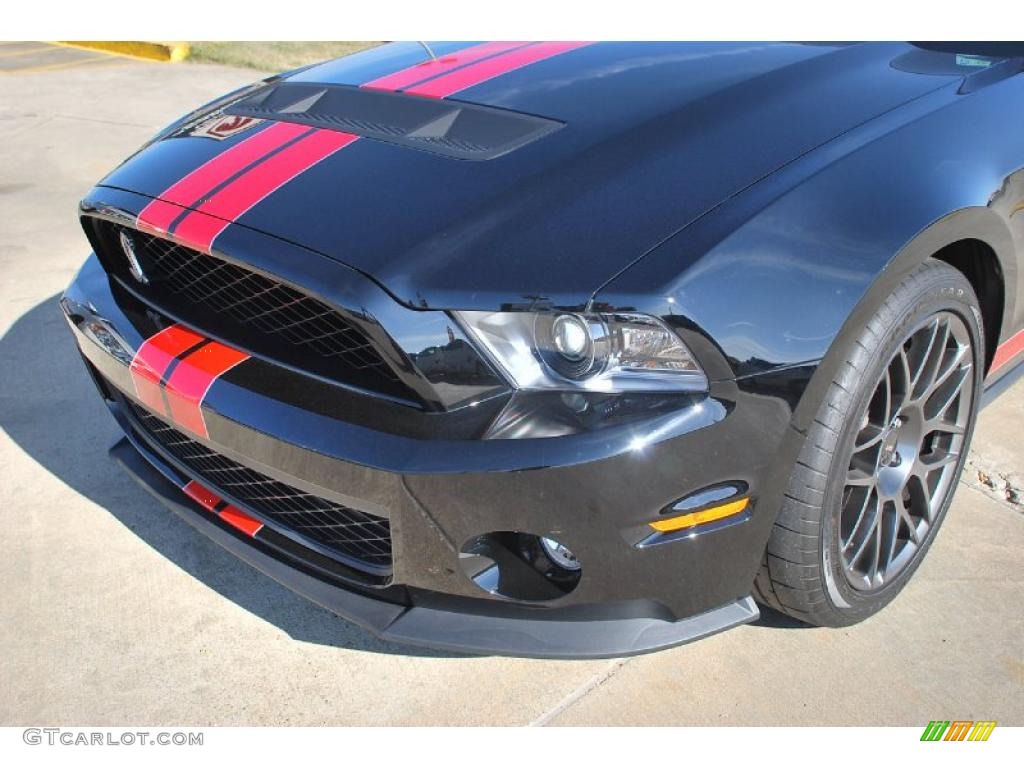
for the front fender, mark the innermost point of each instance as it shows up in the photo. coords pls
(776, 276)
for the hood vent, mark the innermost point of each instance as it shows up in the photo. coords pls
(450, 128)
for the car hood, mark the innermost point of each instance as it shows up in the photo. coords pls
(640, 140)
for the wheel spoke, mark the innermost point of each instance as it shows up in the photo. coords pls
(909, 522)
(888, 536)
(863, 530)
(887, 412)
(862, 507)
(938, 425)
(922, 474)
(932, 462)
(932, 359)
(920, 497)
(876, 541)
(952, 365)
(941, 397)
(877, 434)
(932, 331)
(858, 477)
(902, 363)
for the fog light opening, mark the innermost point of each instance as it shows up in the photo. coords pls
(520, 566)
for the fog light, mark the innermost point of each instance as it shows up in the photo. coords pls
(560, 554)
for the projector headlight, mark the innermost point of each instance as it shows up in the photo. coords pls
(618, 352)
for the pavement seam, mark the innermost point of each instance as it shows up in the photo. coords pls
(591, 685)
(60, 65)
(103, 120)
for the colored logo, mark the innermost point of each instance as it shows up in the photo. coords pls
(958, 730)
(223, 126)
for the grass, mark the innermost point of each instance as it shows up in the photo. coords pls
(273, 56)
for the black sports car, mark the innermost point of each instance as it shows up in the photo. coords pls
(569, 349)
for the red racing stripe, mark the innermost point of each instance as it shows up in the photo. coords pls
(1008, 350)
(152, 359)
(192, 378)
(202, 495)
(485, 70)
(227, 204)
(434, 67)
(159, 214)
(231, 515)
(236, 517)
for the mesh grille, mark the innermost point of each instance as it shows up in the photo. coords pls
(356, 534)
(257, 301)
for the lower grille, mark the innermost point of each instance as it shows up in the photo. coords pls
(354, 535)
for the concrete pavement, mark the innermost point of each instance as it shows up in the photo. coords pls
(114, 611)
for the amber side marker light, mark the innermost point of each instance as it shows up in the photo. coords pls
(692, 519)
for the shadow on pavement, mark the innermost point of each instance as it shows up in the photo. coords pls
(774, 620)
(49, 408)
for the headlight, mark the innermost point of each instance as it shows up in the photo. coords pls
(620, 352)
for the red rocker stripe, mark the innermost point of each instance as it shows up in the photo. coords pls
(1008, 350)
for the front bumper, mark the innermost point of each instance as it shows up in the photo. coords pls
(595, 491)
(555, 634)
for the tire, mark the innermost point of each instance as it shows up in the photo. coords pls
(818, 564)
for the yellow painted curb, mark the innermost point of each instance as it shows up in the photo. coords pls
(152, 51)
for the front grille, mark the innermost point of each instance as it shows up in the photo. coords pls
(251, 310)
(254, 299)
(353, 534)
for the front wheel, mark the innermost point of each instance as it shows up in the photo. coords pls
(881, 460)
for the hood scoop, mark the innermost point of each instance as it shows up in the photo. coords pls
(450, 128)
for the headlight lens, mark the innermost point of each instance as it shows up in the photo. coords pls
(571, 337)
(620, 352)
